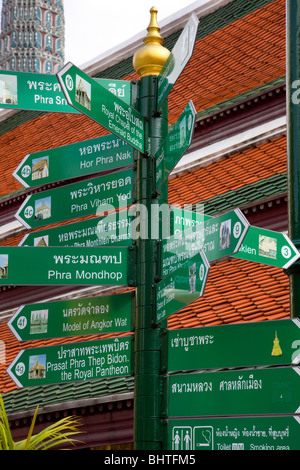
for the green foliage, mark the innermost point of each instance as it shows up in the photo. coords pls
(55, 434)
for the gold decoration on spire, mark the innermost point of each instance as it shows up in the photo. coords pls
(150, 59)
(276, 351)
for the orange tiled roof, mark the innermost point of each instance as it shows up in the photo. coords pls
(231, 173)
(239, 57)
(243, 55)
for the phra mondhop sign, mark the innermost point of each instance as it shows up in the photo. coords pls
(63, 265)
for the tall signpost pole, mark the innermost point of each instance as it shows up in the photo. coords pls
(148, 426)
(293, 142)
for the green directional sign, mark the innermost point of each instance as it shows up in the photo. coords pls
(70, 161)
(42, 92)
(92, 99)
(244, 433)
(113, 229)
(120, 88)
(88, 316)
(177, 60)
(176, 143)
(219, 237)
(88, 197)
(183, 219)
(242, 392)
(259, 245)
(72, 362)
(63, 265)
(268, 247)
(240, 345)
(182, 287)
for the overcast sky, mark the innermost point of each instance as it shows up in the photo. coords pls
(95, 26)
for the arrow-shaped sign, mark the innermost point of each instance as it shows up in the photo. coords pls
(177, 60)
(259, 245)
(176, 143)
(182, 287)
(42, 92)
(70, 161)
(241, 392)
(268, 247)
(92, 99)
(113, 229)
(22, 265)
(72, 362)
(217, 237)
(88, 197)
(212, 347)
(88, 316)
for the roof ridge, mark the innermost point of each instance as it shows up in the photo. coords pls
(276, 184)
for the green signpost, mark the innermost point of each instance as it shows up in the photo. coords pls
(42, 92)
(63, 265)
(87, 316)
(266, 343)
(182, 287)
(112, 229)
(254, 433)
(72, 362)
(81, 253)
(240, 392)
(70, 161)
(176, 143)
(93, 196)
(218, 237)
(92, 99)
(177, 60)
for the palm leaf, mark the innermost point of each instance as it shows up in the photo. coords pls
(27, 443)
(6, 440)
(56, 434)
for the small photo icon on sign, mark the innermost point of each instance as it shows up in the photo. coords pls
(37, 367)
(83, 92)
(3, 266)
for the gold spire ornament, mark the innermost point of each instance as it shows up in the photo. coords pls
(150, 59)
(276, 351)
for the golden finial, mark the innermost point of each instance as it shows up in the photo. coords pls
(276, 351)
(150, 59)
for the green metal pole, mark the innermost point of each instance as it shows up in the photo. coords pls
(148, 422)
(293, 143)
